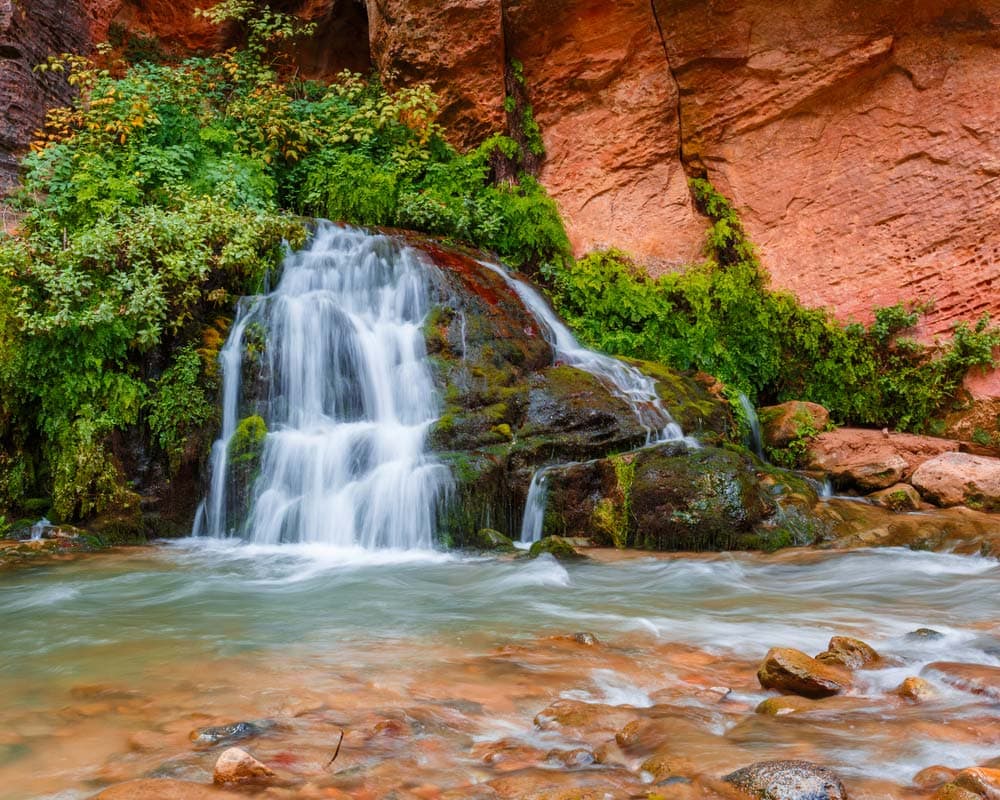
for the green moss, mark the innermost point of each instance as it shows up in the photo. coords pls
(247, 443)
(557, 547)
(489, 540)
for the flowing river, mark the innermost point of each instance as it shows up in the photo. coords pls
(439, 668)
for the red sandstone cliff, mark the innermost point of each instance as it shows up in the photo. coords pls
(860, 141)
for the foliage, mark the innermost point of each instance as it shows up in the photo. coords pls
(721, 317)
(248, 440)
(161, 194)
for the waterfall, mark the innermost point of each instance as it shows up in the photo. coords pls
(621, 379)
(756, 441)
(534, 507)
(341, 379)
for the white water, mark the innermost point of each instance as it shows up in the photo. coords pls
(622, 379)
(348, 401)
(753, 423)
(534, 507)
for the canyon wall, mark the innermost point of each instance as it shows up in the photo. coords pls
(860, 141)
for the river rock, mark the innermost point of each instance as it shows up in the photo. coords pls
(233, 732)
(901, 497)
(916, 689)
(793, 672)
(850, 653)
(973, 678)
(490, 540)
(783, 423)
(869, 460)
(557, 547)
(954, 479)
(238, 766)
(934, 776)
(165, 789)
(982, 781)
(788, 780)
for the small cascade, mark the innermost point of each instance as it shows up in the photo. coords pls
(622, 379)
(344, 388)
(37, 530)
(756, 440)
(534, 507)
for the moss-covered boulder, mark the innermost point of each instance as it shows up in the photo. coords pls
(557, 547)
(491, 541)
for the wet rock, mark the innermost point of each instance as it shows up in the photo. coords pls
(165, 789)
(557, 547)
(981, 780)
(901, 497)
(850, 653)
(924, 634)
(233, 732)
(786, 704)
(933, 777)
(788, 780)
(916, 689)
(237, 766)
(869, 460)
(493, 541)
(148, 741)
(578, 757)
(575, 715)
(793, 672)
(955, 479)
(973, 678)
(665, 764)
(786, 422)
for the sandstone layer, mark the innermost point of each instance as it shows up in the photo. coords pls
(860, 141)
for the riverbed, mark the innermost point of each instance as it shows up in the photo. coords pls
(455, 676)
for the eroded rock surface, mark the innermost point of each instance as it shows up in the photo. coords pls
(954, 479)
(793, 672)
(788, 780)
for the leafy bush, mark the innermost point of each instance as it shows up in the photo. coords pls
(721, 317)
(165, 191)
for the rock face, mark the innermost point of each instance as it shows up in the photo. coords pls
(859, 140)
(783, 423)
(868, 459)
(788, 780)
(955, 479)
(793, 672)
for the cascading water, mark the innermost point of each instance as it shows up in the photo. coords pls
(345, 389)
(623, 380)
(756, 440)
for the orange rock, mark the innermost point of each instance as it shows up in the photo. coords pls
(850, 653)
(916, 689)
(793, 672)
(972, 678)
(164, 789)
(954, 479)
(238, 766)
(933, 777)
(785, 422)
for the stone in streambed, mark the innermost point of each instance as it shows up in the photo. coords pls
(491, 541)
(238, 766)
(901, 497)
(850, 653)
(916, 689)
(788, 780)
(977, 783)
(973, 678)
(233, 732)
(793, 672)
(954, 479)
(934, 776)
(164, 789)
(557, 547)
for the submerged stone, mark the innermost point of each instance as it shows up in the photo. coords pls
(793, 672)
(788, 780)
(233, 732)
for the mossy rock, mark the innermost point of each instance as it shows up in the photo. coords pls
(557, 547)
(704, 499)
(247, 442)
(489, 540)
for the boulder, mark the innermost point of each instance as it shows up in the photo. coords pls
(788, 780)
(901, 497)
(850, 653)
(165, 789)
(934, 776)
(977, 783)
(557, 547)
(869, 460)
(916, 689)
(973, 678)
(490, 540)
(954, 479)
(786, 422)
(793, 672)
(237, 766)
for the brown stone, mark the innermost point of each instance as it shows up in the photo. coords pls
(934, 776)
(954, 479)
(868, 459)
(916, 689)
(901, 497)
(850, 653)
(788, 780)
(164, 789)
(783, 423)
(793, 672)
(972, 678)
(984, 782)
(238, 766)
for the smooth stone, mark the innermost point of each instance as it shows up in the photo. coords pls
(233, 732)
(934, 776)
(165, 789)
(954, 479)
(973, 678)
(238, 766)
(916, 689)
(793, 672)
(850, 653)
(901, 497)
(788, 780)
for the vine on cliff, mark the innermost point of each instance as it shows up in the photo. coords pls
(721, 317)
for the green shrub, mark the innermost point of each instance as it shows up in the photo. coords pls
(721, 317)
